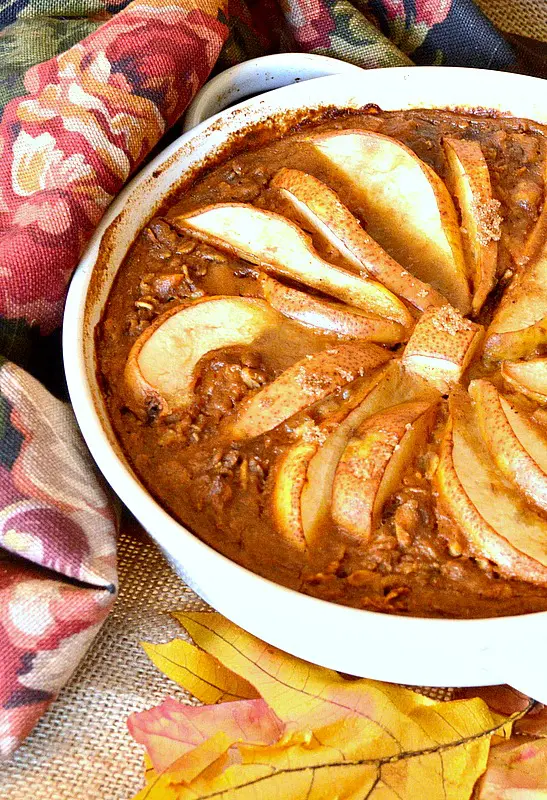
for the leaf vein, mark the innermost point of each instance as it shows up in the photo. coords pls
(379, 762)
(199, 677)
(288, 685)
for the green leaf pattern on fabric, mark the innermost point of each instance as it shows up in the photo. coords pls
(357, 40)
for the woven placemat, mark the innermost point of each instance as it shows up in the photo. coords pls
(524, 17)
(81, 749)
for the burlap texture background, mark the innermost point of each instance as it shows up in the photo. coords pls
(81, 749)
(524, 17)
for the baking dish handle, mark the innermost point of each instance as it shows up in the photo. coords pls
(256, 77)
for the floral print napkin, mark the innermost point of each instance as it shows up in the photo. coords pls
(87, 89)
(56, 515)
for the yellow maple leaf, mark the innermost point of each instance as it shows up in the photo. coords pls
(336, 739)
(201, 674)
(306, 696)
(191, 764)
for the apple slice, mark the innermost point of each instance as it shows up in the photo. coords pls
(372, 465)
(279, 246)
(291, 470)
(538, 235)
(305, 474)
(305, 383)
(159, 372)
(289, 483)
(540, 418)
(469, 179)
(520, 343)
(492, 516)
(517, 445)
(528, 377)
(441, 346)
(392, 386)
(351, 323)
(321, 207)
(297, 482)
(406, 206)
(519, 326)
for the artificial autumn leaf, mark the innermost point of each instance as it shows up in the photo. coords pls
(193, 763)
(307, 697)
(504, 702)
(336, 737)
(516, 772)
(161, 786)
(156, 783)
(534, 723)
(201, 674)
(502, 699)
(172, 729)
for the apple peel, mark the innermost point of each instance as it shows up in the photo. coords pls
(528, 377)
(311, 379)
(291, 476)
(373, 463)
(469, 179)
(491, 515)
(343, 320)
(517, 445)
(519, 326)
(442, 346)
(520, 343)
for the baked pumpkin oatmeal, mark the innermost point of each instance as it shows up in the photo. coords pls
(328, 359)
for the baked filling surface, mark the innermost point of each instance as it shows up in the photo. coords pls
(327, 359)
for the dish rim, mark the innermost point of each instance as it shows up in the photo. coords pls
(119, 474)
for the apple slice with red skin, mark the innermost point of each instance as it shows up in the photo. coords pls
(442, 346)
(311, 379)
(305, 474)
(469, 179)
(528, 377)
(321, 207)
(492, 517)
(279, 246)
(518, 447)
(160, 369)
(373, 462)
(406, 207)
(343, 320)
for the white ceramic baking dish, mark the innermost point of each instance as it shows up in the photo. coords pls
(430, 652)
